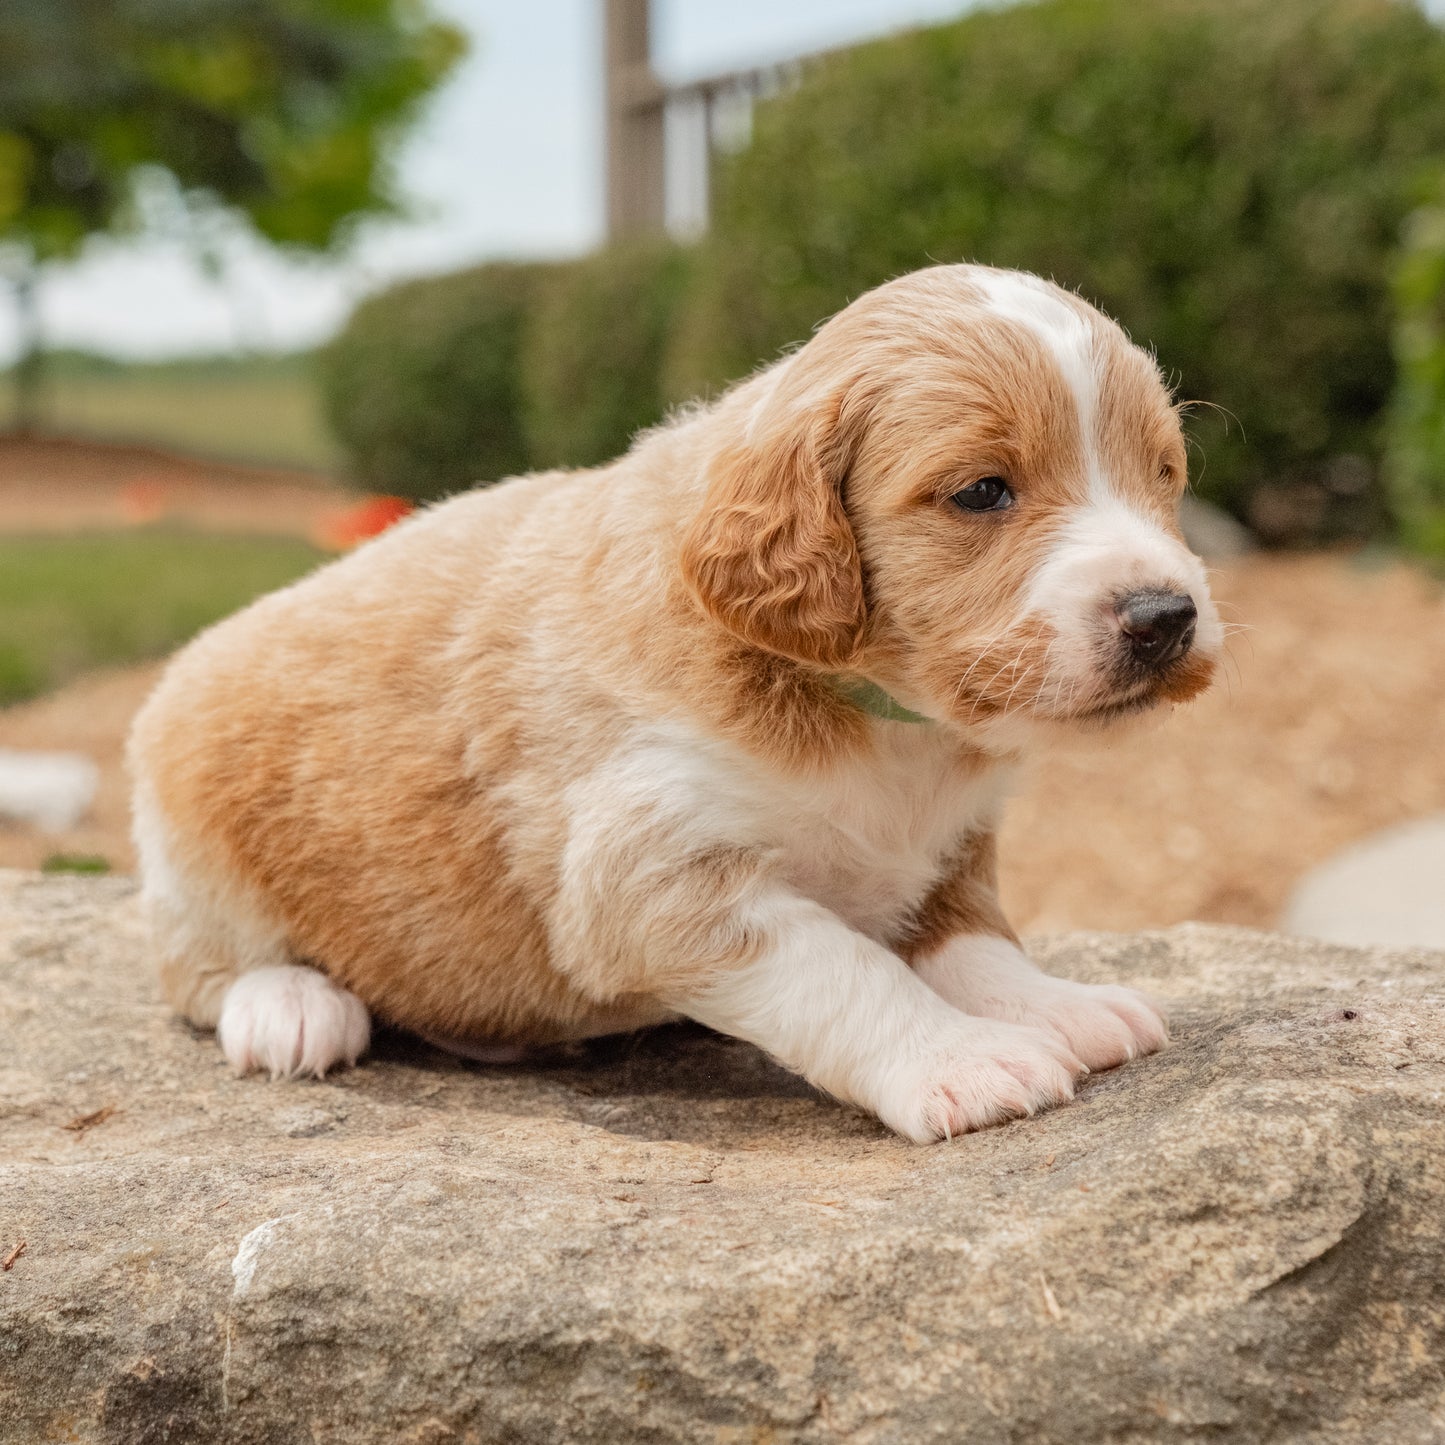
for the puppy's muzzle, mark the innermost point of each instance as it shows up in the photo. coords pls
(1158, 625)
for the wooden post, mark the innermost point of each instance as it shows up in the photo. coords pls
(635, 101)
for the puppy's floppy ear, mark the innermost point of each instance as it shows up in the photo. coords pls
(771, 554)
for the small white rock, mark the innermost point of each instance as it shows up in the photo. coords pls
(52, 791)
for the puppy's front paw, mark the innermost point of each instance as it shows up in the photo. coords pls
(990, 978)
(291, 1021)
(979, 1073)
(1105, 1025)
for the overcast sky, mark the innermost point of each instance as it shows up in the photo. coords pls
(508, 162)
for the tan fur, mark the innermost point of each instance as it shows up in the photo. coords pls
(770, 553)
(963, 901)
(385, 760)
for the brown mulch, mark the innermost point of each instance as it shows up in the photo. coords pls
(1328, 724)
(59, 484)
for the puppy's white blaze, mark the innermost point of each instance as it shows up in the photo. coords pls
(1068, 336)
(291, 1021)
(854, 1019)
(1107, 547)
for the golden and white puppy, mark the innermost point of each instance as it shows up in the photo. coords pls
(719, 730)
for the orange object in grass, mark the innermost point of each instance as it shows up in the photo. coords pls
(143, 501)
(368, 518)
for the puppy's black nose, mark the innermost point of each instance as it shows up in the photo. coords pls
(1159, 625)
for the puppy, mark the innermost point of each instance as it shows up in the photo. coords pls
(717, 731)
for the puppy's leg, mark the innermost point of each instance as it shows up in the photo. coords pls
(965, 951)
(855, 1020)
(224, 965)
(992, 977)
(652, 904)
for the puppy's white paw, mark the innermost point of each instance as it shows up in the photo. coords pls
(1104, 1024)
(291, 1021)
(979, 1072)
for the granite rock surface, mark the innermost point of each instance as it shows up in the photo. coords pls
(667, 1238)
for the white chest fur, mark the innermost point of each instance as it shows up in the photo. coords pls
(869, 840)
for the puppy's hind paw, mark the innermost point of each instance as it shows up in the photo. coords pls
(291, 1021)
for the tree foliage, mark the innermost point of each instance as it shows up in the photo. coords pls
(285, 111)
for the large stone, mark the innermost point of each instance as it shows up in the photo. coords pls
(668, 1239)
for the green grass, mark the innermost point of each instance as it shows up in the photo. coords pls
(75, 863)
(71, 603)
(250, 409)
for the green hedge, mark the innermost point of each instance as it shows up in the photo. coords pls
(593, 352)
(1416, 455)
(423, 387)
(441, 384)
(1227, 177)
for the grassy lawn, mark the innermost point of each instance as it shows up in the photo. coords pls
(248, 409)
(72, 603)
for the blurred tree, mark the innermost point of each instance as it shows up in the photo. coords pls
(125, 115)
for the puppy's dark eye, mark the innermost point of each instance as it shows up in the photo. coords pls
(989, 494)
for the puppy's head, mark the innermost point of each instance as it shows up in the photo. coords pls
(965, 487)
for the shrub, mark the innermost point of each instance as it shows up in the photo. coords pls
(593, 350)
(423, 386)
(1227, 177)
(440, 384)
(1416, 456)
